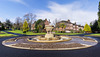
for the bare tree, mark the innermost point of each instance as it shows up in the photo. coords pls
(56, 21)
(30, 18)
(18, 23)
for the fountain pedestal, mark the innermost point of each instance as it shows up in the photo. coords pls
(49, 34)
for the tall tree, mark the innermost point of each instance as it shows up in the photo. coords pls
(99, 16)
(30, 19)
(39, 27)
(25, 26)
(8, 24)
(37, 23)
(18, 23)
(0, 25)
(94, 27)
(56, 21)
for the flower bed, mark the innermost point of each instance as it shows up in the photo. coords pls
(71, 45)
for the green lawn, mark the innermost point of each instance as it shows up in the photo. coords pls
(67, 33)
(93, 35)
(31, 33)
(4, 34)
(27, 33)
(17, 31)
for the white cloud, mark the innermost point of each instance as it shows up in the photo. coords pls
(20, 1)
(72, 11)
(2, 20)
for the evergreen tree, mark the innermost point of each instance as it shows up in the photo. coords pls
(94, 27)
(25, 26)
(87, 28)
(99, 17)
(39, 27)
(37, 23)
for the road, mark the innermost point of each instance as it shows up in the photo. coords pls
(13, 52)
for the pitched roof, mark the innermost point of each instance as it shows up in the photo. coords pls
(68, 21)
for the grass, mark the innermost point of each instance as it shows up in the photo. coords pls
(17, 31)
(67, 33)
(27, 33)
(4, 34)
(93, 35)
(31, 33)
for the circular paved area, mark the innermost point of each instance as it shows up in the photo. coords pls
(12, 52)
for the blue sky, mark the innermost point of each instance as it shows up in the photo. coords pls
(80, 11)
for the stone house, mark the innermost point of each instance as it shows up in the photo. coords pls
(69, 26)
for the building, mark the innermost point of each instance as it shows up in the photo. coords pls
(69, 26)
(45, 22)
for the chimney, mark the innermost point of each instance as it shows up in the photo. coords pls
(68, 20)
(45, 19)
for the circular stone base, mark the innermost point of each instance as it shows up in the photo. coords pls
(54, 40)
(76, 43)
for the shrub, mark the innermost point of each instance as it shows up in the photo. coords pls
(87, 28)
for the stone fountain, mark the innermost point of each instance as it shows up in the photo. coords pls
(49, 33)
(49, 37)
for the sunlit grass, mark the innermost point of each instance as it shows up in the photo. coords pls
(31, 33)
(93, 35)
(27, 33)
(67, 33)
(4, 34)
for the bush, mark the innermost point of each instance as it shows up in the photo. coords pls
(81, 31)
(62, 31)
(24, 31)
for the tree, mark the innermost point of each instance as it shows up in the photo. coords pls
(63, 26)
(3, 28)
(87, 28)
(80, 30)
(39, 27)
(37, 23)
(25, 26)
(91, 24)
(18, 23)
(99, 17)
(55, 22)
(8, 24)
(0, 26)
(94, 27)
(30, 19)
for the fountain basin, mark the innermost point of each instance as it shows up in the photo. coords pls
(50, 40)
(75, 43)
